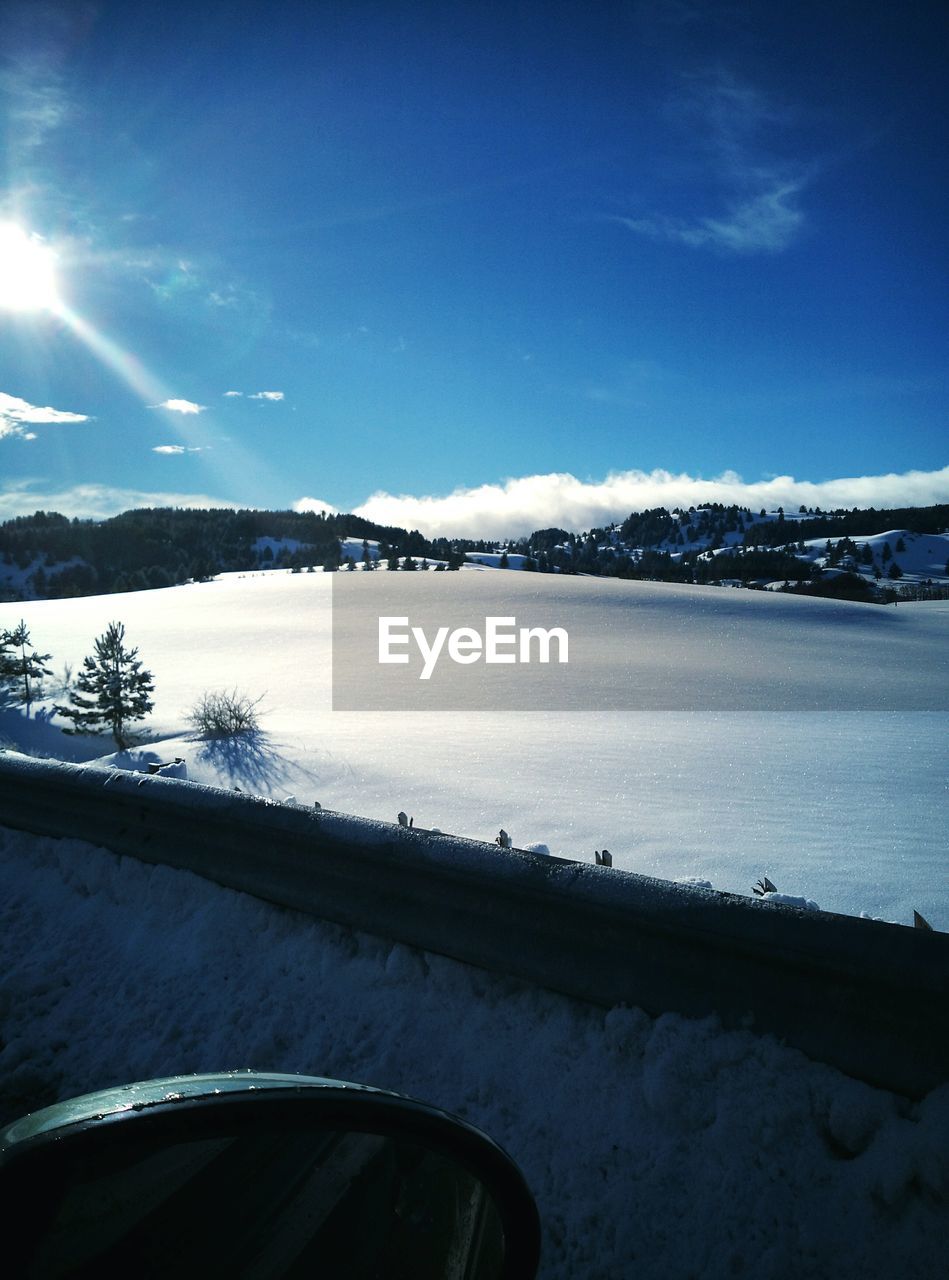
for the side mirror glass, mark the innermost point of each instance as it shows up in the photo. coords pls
(261, 1176)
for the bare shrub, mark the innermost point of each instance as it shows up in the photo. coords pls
(63, 682)
(224, 712)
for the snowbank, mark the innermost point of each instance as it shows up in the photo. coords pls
(854, 993)
(655, 1147)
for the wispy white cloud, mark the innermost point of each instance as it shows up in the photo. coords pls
(14, 412)
(180, 406)
(257, 395)
(518, 506)
(231, 295)
(36, 41)
(36, 107)
(178, 278)
(178, 448)
(223, 298)
(315, 504)
(176, 275)
(22, 411)
(94, 501)
(35, 102)
(732, 125)
(763, 223)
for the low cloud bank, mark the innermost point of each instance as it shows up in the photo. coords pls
(518, 506)
(95, 501)
(315, 504)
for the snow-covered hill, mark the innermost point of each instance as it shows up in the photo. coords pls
(848, 808)
(920, 556)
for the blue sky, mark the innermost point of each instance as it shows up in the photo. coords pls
(494, 266)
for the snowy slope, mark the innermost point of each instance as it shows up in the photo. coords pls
(492, 559)
(15, 581)
(925, 555)
(846, 808)
(352, 548)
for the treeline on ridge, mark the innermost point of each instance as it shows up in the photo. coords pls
(162, 546)
(48, 555)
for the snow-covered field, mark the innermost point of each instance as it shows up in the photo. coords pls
(848, 808)
(654, 1147)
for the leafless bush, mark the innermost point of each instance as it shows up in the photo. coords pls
(63, 682)
(225, 712)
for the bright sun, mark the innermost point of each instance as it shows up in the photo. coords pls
(27, 273)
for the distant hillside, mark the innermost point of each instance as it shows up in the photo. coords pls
(866, 555)
(46, 555)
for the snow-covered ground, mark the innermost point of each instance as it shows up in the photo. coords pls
(15, 580)
(848, 808)
(922, 556)
(655, 1147)
(492, 559)
(352, 548)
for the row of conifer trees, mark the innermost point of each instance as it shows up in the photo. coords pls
(111, 691)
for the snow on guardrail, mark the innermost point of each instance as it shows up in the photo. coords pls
(865, 996)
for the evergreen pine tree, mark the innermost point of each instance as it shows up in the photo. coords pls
(20, 664)
(111, 690)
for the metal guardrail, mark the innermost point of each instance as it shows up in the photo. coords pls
(867, 997)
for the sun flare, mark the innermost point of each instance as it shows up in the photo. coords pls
(27, 271)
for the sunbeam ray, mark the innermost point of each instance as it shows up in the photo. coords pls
(231, 466)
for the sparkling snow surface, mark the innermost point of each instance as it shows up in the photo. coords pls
(848, 809)
(655, 1148)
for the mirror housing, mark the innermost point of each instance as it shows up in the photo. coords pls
(262, 1175)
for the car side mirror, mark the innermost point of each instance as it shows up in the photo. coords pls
(254, 1175)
